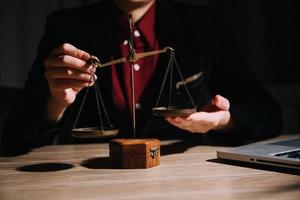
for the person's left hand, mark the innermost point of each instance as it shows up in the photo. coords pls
(214, 116)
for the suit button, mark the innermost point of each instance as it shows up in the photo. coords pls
(136, 33)
(136, 67)
(138, 106)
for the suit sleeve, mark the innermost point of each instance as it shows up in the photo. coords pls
(251, 104)
(21, 127)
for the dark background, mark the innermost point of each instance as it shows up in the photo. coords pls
(265, 30)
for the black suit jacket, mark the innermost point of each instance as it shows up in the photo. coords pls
(201, 45)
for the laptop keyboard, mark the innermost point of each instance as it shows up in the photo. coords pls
(290, 154)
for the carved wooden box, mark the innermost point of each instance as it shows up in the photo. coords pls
(134, 153)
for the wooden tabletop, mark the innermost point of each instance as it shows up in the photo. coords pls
(186, 172)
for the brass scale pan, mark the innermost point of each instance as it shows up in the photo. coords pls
(171, 111)
(94, 132)
(97, 132)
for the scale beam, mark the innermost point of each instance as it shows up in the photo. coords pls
(133, 57)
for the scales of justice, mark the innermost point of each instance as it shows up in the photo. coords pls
(159, 110)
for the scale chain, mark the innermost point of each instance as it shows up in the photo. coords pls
(103, 106)
(171, 81)
(180, 74)
(98, 97)
(164, 81)
(98, 106)
(81, 105)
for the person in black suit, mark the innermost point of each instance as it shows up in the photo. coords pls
(232, 104)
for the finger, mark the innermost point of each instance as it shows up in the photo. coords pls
(202, 117)
(202, 122)
(180, 122)
(173, 122)
(193, 124)
(62, 84)
(221, 102)
(69, 61)
(171, 118)
(68, 73)
(77, 89)
(68, 49)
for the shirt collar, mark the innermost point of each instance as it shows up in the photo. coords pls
(145, 25)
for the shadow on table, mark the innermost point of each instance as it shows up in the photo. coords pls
(175, 147)
(257, 166)
(97, 163)
(45, 167)
(181, 146)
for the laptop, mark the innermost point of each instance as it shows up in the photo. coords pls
(282, 153)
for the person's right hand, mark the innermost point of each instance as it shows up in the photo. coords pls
(67, 72)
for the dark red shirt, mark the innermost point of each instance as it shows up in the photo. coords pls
(144, 40)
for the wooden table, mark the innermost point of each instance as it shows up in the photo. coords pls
(186, 172)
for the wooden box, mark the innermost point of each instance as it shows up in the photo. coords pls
(134, 153)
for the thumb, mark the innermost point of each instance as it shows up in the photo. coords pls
(217, 103)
